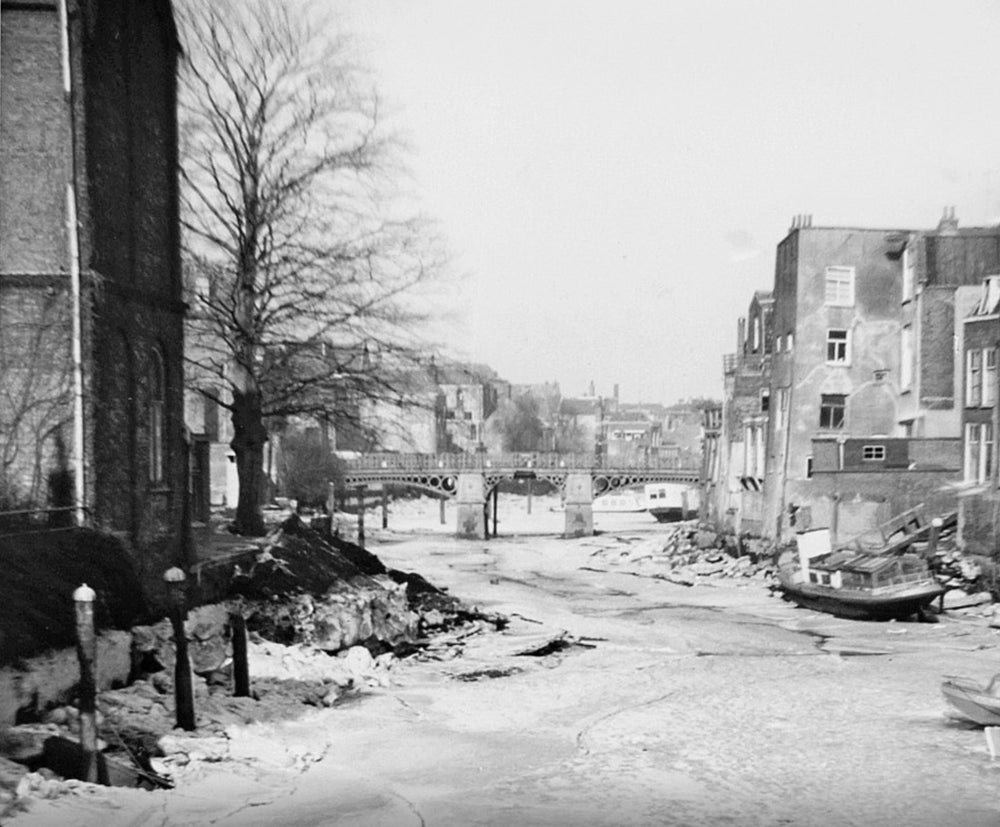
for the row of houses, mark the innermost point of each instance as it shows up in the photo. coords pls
(864, 384)
(451, 407)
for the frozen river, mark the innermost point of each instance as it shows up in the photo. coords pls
(715, 704)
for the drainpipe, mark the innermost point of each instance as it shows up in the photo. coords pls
(72, 233)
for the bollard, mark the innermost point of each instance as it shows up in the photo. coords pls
(183, 693)
(86, 650)
(241, 666)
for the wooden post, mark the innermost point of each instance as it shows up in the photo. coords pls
(385, 507)
(241, 667)
(86, 650)
(531, 486)
(361, 516)
(183, 693)
(441, 501)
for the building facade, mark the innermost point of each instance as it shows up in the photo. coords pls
(837, 322)
(90, 285)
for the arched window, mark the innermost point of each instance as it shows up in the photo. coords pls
(157, 404)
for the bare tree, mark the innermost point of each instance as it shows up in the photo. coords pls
(304, 272)
(35, 398)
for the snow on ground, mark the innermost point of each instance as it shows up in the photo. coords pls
(714, 704)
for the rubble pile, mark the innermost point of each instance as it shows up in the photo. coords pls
(688, 555)
(325, 620)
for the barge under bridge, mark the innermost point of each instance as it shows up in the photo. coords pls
(471, 479)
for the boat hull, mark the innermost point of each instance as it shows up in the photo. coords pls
(862, 605)
(971, 701)
(671, 515)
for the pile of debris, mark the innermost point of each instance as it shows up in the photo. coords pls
(325, 620)
(688, 555)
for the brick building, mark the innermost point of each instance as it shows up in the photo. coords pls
(736, 500)
(837, 326)
(980, 392)
(88, 197)
(861, 392)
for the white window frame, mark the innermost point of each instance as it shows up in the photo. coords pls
(909, 274)
(906, 358)
(973, 378)
(840, 340)
(989, 393)
(978, 451)
(781, 413)
(838, 286)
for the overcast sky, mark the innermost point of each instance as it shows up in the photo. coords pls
(614, 177)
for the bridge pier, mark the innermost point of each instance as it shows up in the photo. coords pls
(579, 505)
(471, 500)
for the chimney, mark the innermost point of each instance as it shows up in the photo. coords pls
(948, 222)
(741, 335)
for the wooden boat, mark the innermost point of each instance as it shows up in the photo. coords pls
(972, 700)
(861, 586)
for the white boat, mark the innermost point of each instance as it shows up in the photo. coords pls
(670, 502)
(621, 502)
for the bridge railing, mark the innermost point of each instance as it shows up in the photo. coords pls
(526, 461)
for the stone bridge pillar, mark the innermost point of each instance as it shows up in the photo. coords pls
(579, 505)
(471, 499)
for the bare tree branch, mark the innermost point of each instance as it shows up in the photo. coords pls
(299, 263)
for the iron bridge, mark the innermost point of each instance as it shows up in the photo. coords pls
(438, 473)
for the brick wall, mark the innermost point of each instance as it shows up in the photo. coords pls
(34, 137)
(937, 331)
(128, 69)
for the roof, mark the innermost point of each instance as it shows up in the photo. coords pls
(852, 561)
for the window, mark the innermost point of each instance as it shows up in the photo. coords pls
(157, 400)
(906, 358)
(782, 414)
(973, 378)
(909, 269)
(831, 410)
(789, 341)
(989, 376)
(756, 333)
(809, 468)
(765, 400)
(978, 451)
(839, 286)
(873, 453)
(836, 346)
